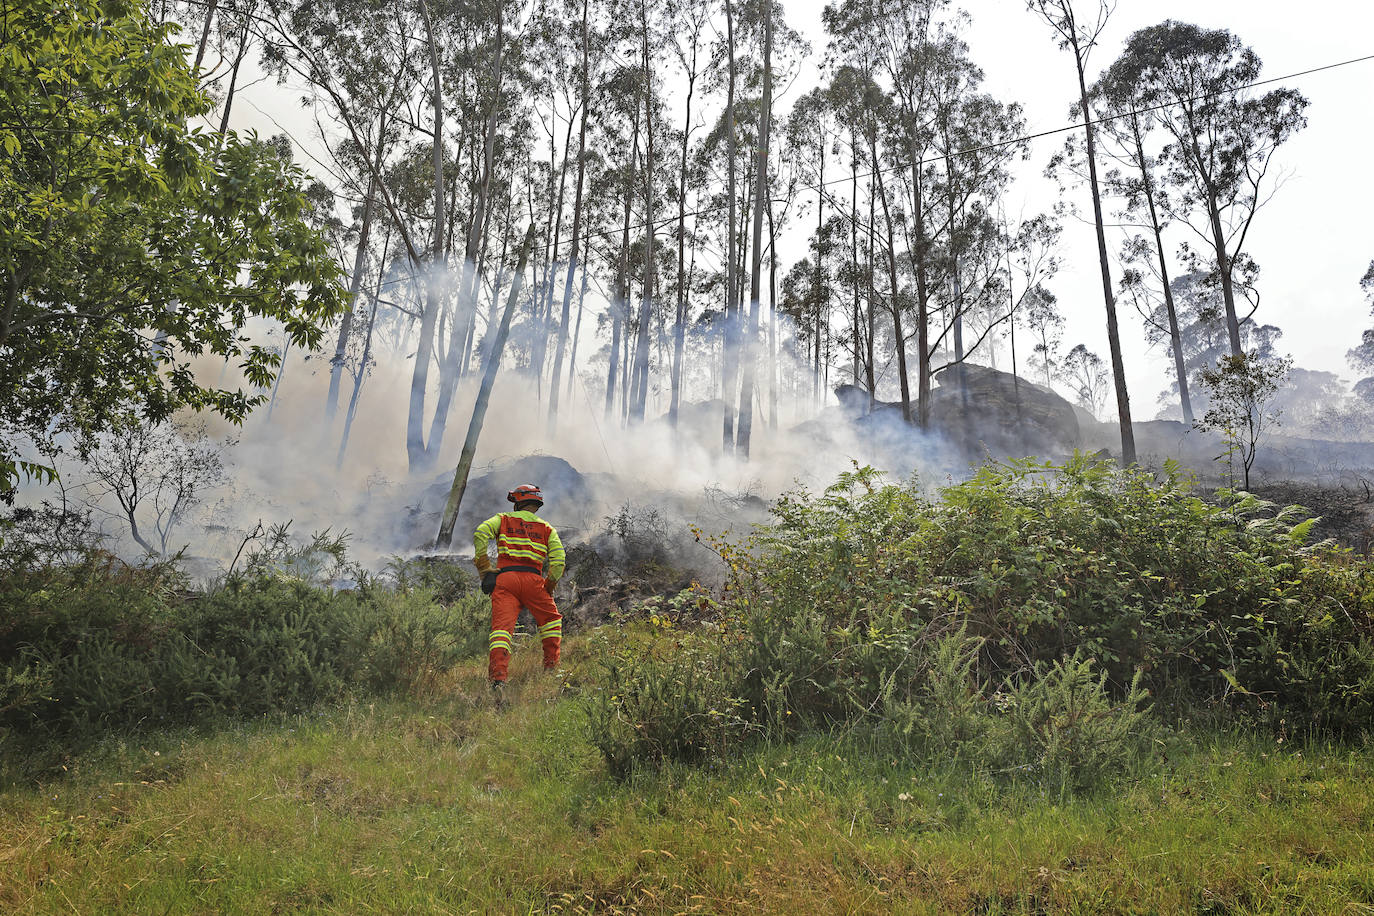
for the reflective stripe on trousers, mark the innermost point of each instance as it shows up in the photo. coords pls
(514, 590)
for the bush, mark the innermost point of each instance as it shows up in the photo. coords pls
(94, 645)
(664, 698)
(1019, 621)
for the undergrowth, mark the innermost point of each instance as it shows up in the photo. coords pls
(1038, 621)
(91, 646)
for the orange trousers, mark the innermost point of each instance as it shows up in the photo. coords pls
(513, 590)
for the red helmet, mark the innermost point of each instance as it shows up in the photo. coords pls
(525, 493)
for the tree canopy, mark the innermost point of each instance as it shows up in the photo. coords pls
(131, 241)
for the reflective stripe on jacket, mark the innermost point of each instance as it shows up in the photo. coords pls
(522, 539)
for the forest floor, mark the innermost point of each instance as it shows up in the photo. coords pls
(443, 804)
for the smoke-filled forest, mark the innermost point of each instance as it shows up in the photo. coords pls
(959, 422)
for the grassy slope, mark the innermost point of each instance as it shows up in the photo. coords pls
(443, 805)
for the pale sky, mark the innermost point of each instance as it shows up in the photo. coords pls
(1313, 241)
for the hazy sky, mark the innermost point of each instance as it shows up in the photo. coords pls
(1313, 241)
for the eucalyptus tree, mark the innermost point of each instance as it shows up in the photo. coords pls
(806, 136)
(585, 63)
(1032, 253)
(358, 56)
(689, 19)
(1204, 335)
(1046, 325)
(479, 43)
(1086, 375)
(730, 350)
(651, 43)
(1120, 100)
(1079, 35)
(918, 47)
(749, 353)
(856, 99)
(622, 97)
(1223, 138)
(975, 136)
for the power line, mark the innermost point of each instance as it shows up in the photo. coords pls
(1025, 138)
(969, 151)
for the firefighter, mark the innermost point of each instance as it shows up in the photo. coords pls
(529, 562)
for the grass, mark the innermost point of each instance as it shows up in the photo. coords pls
(441, 804)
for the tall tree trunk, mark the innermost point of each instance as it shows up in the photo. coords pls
(1123, 399)
(541, 340)
(819, 282)
(750, 356)
(956, 280)
(854, 246)
(577, 330)
(1175, 337)
(210, 8)
(479, 410)
(470, 280)
(622, 280)
(920, 266)
(680, 314)
(362, 366)
(1228, 287)
(895, 297)
(730, 346)
(870, 368)
(641, 369)
(585, 96)
(419, 457)
(331, 402)
(233, 81)
(772, 320)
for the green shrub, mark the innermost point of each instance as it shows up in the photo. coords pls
(664, 696)
(94, 645)
(1063, 727)
(1018, 621)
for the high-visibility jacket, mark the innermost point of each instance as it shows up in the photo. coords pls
(522, 539)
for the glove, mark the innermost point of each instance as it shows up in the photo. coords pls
(482, 562)
(488, 581)
(550, 585)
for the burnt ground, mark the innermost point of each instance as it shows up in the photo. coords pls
(1345, 510)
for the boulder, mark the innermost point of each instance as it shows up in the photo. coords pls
(993, 411)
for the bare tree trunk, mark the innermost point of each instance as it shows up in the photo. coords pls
(577, 330)
(750, 355)
(819, 282)
(895, 298)
(470, 280)
(854, 244)
(210, 8)
(920, 267)
(556, 380)
(331, 402)
(479, 410)
(772, 321)
(730, 345)
(362, 366)
(1175, 337)
(545, 316)
(233, 81)
(870, 369)
(680, 316)
(641, 369)
(1123, 399)
(420, 457)
(622, 280)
